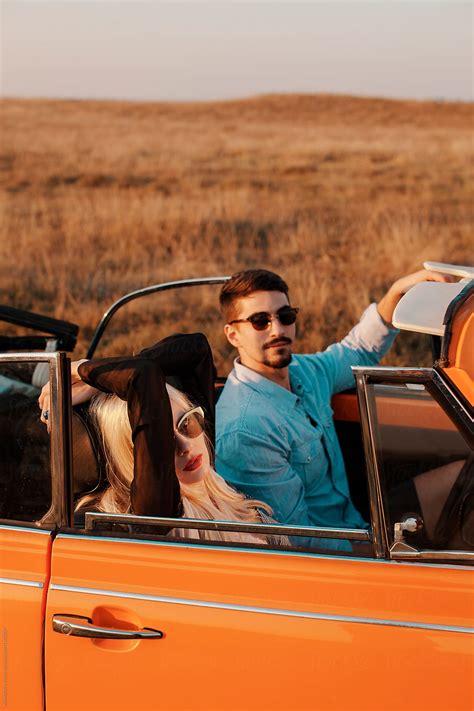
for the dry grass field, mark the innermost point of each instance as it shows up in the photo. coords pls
(341, 195)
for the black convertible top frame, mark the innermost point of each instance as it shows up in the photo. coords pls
(181, 284)
(64, 332)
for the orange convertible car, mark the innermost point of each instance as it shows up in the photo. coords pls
(114, 616)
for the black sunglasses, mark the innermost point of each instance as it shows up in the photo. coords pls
(260, 321)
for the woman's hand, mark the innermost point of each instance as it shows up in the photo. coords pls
(80, 392)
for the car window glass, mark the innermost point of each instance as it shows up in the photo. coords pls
(425, 467)
(97, 491)
(25, 474)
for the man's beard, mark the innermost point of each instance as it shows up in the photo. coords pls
(278, 360)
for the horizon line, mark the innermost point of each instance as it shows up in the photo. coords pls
(236, 99)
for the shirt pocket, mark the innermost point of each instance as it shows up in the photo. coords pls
(304, 454)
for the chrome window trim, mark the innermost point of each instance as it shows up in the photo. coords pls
(155, 288)
(24, 527)
(377, 514)
(441, 392)
(424, 554)
(443, 386)
(61, 441)
(60, 454)
(22, 583)
(262, 610)
(91, 518)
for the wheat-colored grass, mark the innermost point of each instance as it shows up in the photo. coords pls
(340, 195)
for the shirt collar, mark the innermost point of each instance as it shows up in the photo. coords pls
(263, 385)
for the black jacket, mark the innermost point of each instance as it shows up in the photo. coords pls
(186, 359)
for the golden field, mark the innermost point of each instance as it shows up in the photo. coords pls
(340, 195)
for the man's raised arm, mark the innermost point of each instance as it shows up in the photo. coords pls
(386, 305)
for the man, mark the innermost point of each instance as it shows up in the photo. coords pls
(276, 439)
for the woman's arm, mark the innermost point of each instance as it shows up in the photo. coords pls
(80, 391)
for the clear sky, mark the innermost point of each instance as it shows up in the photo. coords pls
(153, 50)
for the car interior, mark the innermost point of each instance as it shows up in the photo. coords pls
(413, 434)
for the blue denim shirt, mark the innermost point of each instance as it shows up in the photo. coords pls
(267, 446)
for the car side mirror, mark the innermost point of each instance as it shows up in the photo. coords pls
(409, 524)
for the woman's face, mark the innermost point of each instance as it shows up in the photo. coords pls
(191, 456)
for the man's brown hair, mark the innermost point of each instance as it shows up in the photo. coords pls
(245, 283)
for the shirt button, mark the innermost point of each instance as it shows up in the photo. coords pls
(308, 459)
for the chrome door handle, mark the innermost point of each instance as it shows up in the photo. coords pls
(78, 626)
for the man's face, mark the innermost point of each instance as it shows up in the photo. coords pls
(262, 350)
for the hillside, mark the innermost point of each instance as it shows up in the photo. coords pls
(339, 194)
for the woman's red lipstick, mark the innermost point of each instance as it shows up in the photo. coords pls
(193, 464)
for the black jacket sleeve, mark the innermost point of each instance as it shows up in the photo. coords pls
(186, 360)
(141, 381)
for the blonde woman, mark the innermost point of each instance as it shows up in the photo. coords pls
(204, 494)
(157, 441)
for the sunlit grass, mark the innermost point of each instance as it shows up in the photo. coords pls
(340, 195)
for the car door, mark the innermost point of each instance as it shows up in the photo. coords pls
(224, 627)
(241, 628)
(30, 464)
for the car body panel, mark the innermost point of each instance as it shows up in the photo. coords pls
(461, 351)
(25, 560)
(287, 630)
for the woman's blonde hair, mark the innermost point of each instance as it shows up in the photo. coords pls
(211, 498)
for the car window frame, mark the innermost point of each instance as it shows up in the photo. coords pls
(140, 293)
(96, 518)
(60, 512)
(442, 392)
(60, 515)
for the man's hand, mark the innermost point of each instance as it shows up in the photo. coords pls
(80, 392)
(386, 305)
